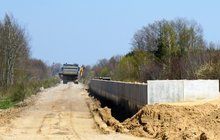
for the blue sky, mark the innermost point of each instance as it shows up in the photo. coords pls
(83, 31)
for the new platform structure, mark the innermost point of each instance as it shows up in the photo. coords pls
(136, 95)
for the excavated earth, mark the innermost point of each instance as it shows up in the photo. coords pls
(188, 121)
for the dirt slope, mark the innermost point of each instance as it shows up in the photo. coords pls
(178, 121)
(58, 113)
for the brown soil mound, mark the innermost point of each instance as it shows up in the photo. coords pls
(104, 119)
(176, 122)
(105, 114)
(180, 121)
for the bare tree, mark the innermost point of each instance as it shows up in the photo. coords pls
(55, 68)
(13, 44)
(37, 70)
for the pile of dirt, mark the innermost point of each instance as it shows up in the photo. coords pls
(106, 116)
(103, 117)
(176, 122)
(164, 121)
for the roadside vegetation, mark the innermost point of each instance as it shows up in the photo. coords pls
(20, 75)
(174, 49)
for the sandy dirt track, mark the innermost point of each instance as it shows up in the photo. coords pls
(58, 113)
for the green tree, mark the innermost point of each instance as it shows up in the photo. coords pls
(177, 44)
(126, 71)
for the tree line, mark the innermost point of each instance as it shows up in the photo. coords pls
(174, 49)
(17, 67)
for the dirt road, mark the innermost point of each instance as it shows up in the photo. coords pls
(59, 113)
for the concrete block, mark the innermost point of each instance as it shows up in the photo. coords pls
(200, 89)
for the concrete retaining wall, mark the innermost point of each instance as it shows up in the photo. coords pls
(127, 94)
(155, 91)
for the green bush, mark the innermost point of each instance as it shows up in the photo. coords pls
(49, 82)
(19, 92)
(6, 103)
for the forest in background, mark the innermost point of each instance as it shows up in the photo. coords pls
(174, 49)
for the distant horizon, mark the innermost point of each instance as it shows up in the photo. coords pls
(85, 32)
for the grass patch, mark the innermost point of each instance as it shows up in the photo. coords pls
(19, 92)
(6, 103)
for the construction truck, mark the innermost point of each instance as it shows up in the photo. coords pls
(69, 73)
